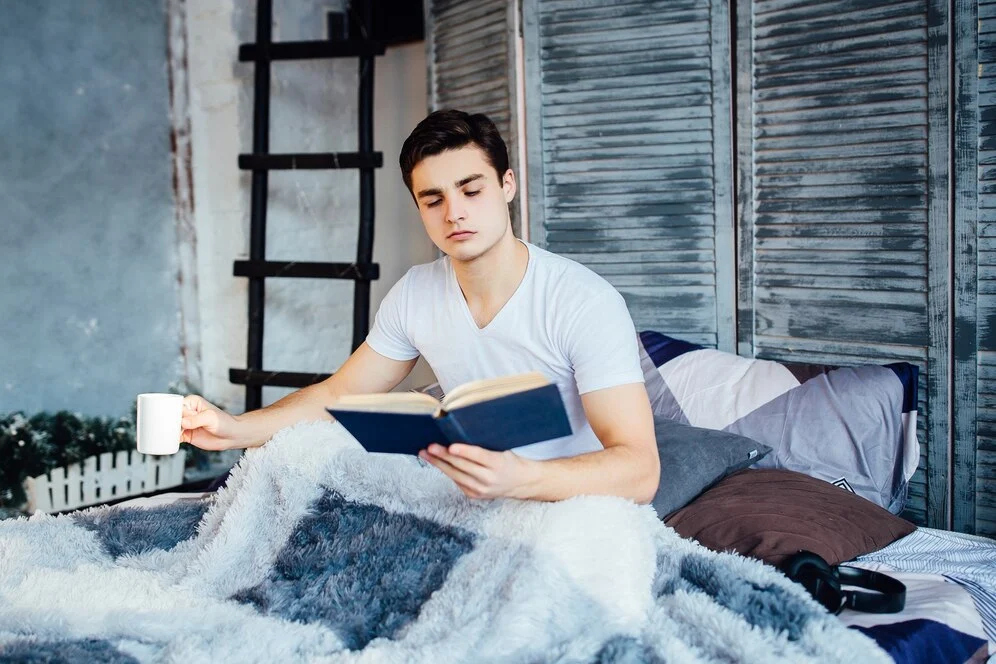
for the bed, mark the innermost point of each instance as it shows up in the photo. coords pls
(316, 550)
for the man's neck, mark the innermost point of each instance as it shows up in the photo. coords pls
(490, 279)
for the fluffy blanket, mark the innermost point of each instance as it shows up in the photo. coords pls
(318, 551)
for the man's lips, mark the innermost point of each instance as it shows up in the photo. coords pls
(460, 234)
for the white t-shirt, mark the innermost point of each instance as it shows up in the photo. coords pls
(563, 320)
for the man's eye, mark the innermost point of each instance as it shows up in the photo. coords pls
(473, 193)
(433, 203)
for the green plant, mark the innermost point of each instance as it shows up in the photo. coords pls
(31, 446)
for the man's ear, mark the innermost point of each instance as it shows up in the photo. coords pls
(508, 185)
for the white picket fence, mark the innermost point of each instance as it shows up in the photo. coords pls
(103, 478)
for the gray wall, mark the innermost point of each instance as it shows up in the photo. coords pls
(89, 303)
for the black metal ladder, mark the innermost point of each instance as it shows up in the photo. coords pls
(263, 52)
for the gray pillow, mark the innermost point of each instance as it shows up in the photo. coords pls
(693, 459)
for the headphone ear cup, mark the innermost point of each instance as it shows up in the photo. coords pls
(796, 565)
(817, 577)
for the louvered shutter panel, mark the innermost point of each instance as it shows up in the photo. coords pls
(472, 65)
(983, 443)
(628, 144)
(843, 229)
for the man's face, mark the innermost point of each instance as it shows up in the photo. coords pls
(464, 206)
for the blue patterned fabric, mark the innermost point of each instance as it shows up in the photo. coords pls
(316, 550)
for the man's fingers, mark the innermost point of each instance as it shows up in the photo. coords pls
(205, 418)
(480, 473)
(474, 453)
(455, 474)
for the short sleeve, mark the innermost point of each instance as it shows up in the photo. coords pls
(601, 344)
(389, 335)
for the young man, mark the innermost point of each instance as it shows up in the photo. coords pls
(492, 306)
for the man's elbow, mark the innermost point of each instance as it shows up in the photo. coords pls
(650, 475)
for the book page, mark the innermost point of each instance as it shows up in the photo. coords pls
(492, 388)
(391, 402)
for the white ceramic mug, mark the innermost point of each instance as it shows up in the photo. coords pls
(158, 426)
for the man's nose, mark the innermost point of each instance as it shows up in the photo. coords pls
(455, 211)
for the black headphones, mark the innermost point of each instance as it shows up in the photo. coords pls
(823, 582)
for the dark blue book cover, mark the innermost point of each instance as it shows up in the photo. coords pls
(498, 424)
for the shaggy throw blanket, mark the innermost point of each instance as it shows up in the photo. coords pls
(318, 551)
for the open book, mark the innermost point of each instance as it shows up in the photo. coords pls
(496, 413)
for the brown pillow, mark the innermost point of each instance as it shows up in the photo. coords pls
(773, 513)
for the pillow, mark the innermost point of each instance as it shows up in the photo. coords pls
(851, 426)
(693, 459)
(772, 514)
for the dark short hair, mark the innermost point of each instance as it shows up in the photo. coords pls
(452, 130)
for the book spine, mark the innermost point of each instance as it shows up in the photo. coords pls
(451, 429)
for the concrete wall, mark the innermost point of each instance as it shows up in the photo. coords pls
(312, 215)
(94, 244)
(88, 304)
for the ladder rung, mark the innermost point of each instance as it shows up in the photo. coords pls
(313, 161)
(274, 378)
(301, 270)
(308, 50)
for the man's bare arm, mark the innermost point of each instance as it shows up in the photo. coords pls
(629, 465)
(366, 371)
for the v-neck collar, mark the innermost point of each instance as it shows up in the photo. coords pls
(465, 306)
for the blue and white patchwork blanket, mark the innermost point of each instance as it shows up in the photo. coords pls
(317, 550)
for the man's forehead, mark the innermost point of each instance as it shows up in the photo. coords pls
(449, 167)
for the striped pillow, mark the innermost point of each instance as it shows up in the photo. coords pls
(852, 426)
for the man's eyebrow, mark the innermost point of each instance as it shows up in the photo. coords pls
(439, 192)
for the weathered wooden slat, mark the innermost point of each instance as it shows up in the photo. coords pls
(913, 174)
(812, 256)
(653, 269)
(654, 256)
(469, 17)
(630, 202)
(846, 99)
(770, 12)
(903, 108)
(690, 159)
(607, 116)
(618, 246)
(839, 321)
(910, 302)
(636, 100)
(808, 23)
(896, 243)
(603, 222)
(838, 63)
(608, 38)
(681, 95)
(567, 8)
(641, 187)
(626, 177)
(654, 211)
(773, 125)
(841, 283)
(568, 74)
(643, 44)
(661, 152)
(609, 61)
(691, 130)
(867, 202)
(844, 38)
(843, 193)
(855, 167)
(847, 270)
(660, 79)
(884, 142)
(577, 27)
(844, 353)
(908, 71)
